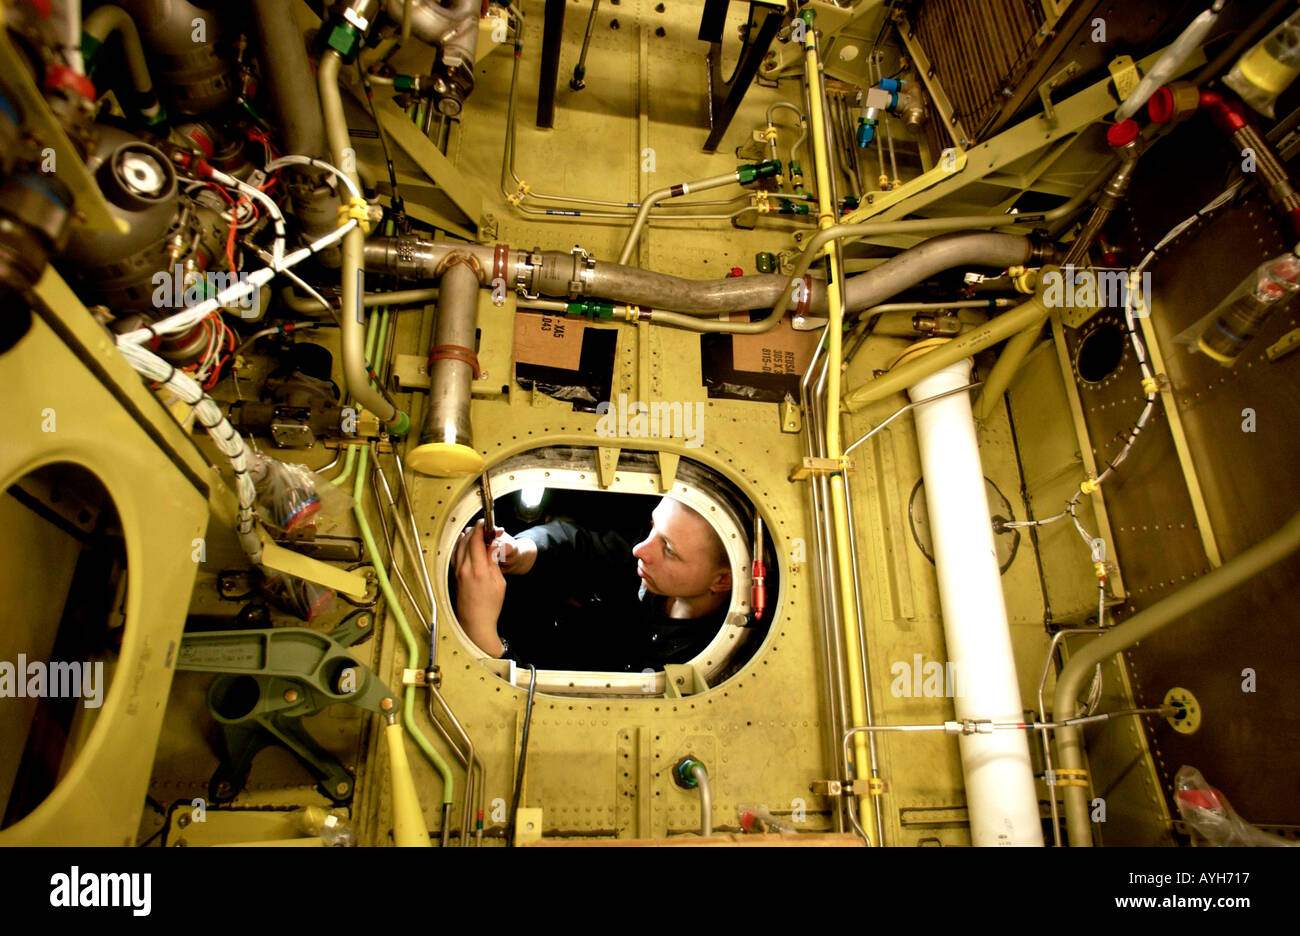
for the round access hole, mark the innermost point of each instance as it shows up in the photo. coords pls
(1100, 352)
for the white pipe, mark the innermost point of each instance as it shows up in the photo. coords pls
(1000, 792)
(1169, 63)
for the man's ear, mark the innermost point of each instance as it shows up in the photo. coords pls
(721, 581)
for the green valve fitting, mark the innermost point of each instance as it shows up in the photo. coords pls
(400, 425)
(684, 772)
(344, 39)
(808, 15)
(591, 308)
(764, 170)
(765, 262)
(404, 82)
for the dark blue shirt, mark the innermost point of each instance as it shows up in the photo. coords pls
(582, 606)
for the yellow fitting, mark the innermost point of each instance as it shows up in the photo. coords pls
(760, 199)
(1023, 279)
(1100, 569)
(1150, 385)
(884, 182)
(1088, 486)
(355, 207)
(520, 193)
(770, 133)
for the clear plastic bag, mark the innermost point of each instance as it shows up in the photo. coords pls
(333, 826)
(1206, 810)
(287, 491)
(299, 597)
(759, 819)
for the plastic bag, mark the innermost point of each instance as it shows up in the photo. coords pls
(299, 597)
(333, 826)
(1206, 810)
(759, 819)
(287, 491)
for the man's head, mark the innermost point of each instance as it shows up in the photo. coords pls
(683, 557)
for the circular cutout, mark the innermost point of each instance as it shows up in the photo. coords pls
(1100, 352)
(1006, 541)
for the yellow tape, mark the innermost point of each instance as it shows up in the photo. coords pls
(1150, 385)
(1100, 568)
(1071, 776)
(355, 207)
(1088, 486)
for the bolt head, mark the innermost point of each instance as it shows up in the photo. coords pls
(291, 695)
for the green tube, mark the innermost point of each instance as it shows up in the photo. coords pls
(412, 651)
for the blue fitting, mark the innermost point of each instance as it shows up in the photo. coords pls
(866, 131)
(889, 84)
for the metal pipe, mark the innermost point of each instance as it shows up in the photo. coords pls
(1046, 737)
(706, 800)
(296, 102)
(306, 305)
(1230, 575)
(828, 616)
(552, 273)
(672, 191)
(995, 330)
(394, 570)
(446, 446)
(109, 19)
(353, 279)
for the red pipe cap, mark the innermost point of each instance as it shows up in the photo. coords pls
(1122, 133)
(735, 271)
(1161, 105)
(61, 76)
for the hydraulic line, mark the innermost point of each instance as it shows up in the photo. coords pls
(828, 609)
(672, 191)
(1194, 596)
(395, 608)
(99, 26)
(352, 285)
(835, 309)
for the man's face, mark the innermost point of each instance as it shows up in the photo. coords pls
(678, 558)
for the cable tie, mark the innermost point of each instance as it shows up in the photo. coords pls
(355, 208)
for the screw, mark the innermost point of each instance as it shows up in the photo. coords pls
(341, 788)
(363, 621)
(613, 24)
(386, 705)
(183, 821)
(660, 31)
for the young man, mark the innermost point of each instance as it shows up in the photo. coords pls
(586, 600)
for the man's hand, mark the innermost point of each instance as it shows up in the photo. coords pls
(481, 589)
(515, 555)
